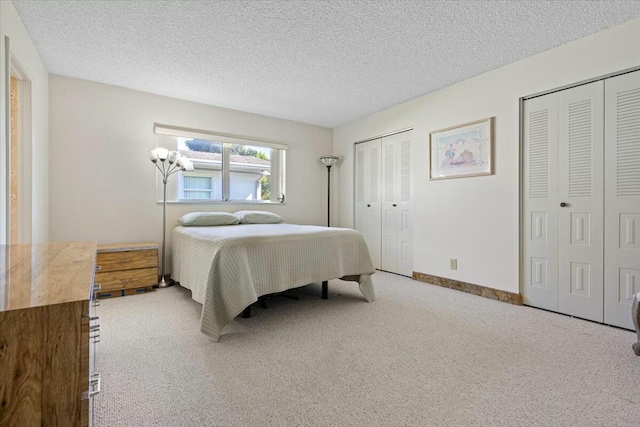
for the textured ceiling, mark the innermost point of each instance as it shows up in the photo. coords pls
(319, 62)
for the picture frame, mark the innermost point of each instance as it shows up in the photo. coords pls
(460, 151)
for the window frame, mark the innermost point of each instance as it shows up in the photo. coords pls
(277, 162)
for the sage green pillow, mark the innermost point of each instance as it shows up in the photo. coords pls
(202, 219)
(258, 217)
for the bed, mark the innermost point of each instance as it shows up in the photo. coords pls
(228, 267)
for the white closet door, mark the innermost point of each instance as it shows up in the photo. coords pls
(397, 221)
(622, 196)
(361, 191)
(390, 152)
(405, 206)
(367, 192)
(580, 216)
(540, 202)
(383, 205)
(374, 162)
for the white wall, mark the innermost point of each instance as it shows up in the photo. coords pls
(476, 220)
(24, 51)
(102, 184)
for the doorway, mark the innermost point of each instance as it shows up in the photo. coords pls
(18, 175)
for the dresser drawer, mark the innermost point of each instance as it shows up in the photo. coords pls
(116, 280)
(127, 260)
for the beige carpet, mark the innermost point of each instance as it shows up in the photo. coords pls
(419, 355)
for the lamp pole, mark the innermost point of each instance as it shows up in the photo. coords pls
(328, 161)
(163, 283)
(176, 163)
(328, 196)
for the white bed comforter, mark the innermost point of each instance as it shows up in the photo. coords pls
(228, 267)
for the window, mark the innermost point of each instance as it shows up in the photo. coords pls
(226, 168)
(197, 187)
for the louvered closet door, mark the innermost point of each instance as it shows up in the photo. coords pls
(405, 206)
(622, 196)
(580, 215)
(389, 205)
(367, 191)
(540, 202)
(361, 190)
(397, 221)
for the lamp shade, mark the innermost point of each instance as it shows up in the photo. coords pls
(328, 161)
(188, 164)
(153, 155)
(162, 153)
(173, 156)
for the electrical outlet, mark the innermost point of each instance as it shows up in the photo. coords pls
(453, 263)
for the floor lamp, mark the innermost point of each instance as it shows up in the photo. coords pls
(328, 161)
(168, 163)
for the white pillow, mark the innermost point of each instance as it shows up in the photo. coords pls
(258, 217)
(195, 219)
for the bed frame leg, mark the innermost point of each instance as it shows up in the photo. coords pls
(325, 289)
(246, 313)
(635, 314)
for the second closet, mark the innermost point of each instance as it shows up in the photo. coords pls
(581, 203)
(383, 200)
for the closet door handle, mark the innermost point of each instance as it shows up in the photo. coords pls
(564, 205)
(394, 205)
(368, 206)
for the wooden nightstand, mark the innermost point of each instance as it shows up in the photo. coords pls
(126, 269)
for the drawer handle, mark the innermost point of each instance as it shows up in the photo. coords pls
(94, 387)
(95, 382)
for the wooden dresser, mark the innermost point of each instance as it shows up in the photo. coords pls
(125, 269)
(46, 329)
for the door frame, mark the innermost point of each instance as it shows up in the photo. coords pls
(13, 68)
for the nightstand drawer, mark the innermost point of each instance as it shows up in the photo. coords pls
(114, 280)
(127, 260)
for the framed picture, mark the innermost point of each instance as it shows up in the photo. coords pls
(461, 151)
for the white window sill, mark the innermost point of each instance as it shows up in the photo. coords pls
(221, 202)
